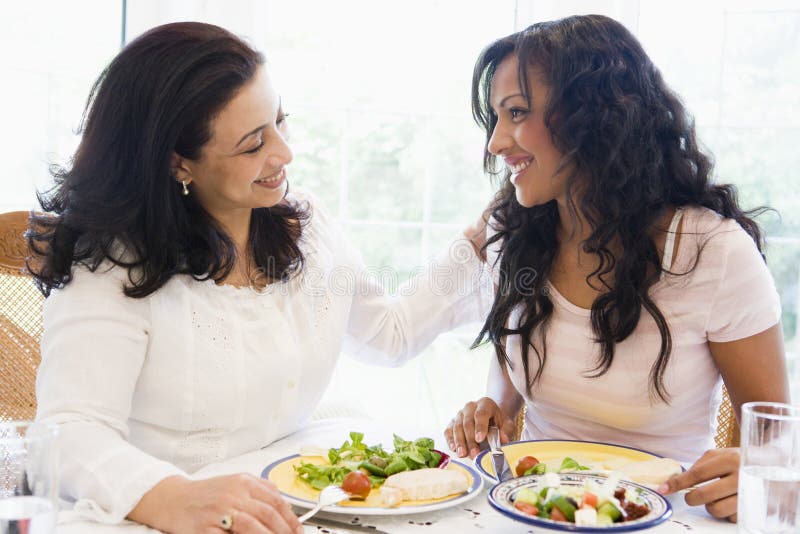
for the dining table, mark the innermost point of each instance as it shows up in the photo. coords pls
(475, 515)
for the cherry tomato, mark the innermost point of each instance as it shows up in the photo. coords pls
(557, 515)
(589, 500)
(357, 484)
(525, 463)
(526, 508)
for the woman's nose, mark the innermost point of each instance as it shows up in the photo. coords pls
(500, 141)
(280, 153)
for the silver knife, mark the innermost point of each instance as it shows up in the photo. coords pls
(342, 526)
(502, 471)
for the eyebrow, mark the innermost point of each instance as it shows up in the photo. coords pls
(251, 132)
(503, 101)
(256, 129)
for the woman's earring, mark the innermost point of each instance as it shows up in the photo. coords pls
(185, 191)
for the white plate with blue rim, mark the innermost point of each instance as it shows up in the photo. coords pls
(503, 495)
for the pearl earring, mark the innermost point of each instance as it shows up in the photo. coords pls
(185, 191)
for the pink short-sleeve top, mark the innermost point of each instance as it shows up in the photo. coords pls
(717, 289)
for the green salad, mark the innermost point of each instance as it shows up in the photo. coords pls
(373, 461)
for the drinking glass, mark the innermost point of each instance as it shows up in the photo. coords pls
(769, 477)
(28, 477)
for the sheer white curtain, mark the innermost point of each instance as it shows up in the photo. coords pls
(382, 132)
(50, 53)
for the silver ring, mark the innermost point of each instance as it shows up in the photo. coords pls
(226, 522)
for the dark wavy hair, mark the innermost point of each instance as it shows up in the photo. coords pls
(118, 200)
(632, 153)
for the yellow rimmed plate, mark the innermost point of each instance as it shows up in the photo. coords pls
(298, 493)
(600, 457)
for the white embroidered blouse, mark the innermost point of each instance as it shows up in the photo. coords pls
(197, 372)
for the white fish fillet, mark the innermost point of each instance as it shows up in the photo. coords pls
(651, 472)
(423, 484)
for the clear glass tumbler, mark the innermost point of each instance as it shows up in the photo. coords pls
(769, 478)
(28, 477)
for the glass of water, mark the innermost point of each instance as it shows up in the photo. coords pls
(28, 477)
(769, 477)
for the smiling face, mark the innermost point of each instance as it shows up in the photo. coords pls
(243, 165)
(521, 138)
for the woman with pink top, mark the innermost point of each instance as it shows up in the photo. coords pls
(629, 287)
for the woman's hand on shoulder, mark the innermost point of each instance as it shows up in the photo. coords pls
(468, 428)
(252, 504)
(717, 474)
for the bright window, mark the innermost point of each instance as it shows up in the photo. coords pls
(50, 54)
(382, 132)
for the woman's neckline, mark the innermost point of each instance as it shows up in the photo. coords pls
(674, 255)
(235, 291)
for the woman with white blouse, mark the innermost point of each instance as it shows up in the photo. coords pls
(196, 308)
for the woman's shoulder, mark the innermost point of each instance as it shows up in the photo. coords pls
(716, 239)
(705, 221)
(98, 288)
(705, 226)
(107, 279)
(106, 272)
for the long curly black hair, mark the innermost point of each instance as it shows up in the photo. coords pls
(633, 153)
(118, 200)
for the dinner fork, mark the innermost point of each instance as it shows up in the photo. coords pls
(328, 496)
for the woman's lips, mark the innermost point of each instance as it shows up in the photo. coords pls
(518, 169)
(273, 182)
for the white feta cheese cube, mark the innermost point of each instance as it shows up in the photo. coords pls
(586, 517)
(550, 480)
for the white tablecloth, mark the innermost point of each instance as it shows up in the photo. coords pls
(476, 515)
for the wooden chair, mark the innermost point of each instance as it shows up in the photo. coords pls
(727, 427)
(20, 322)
